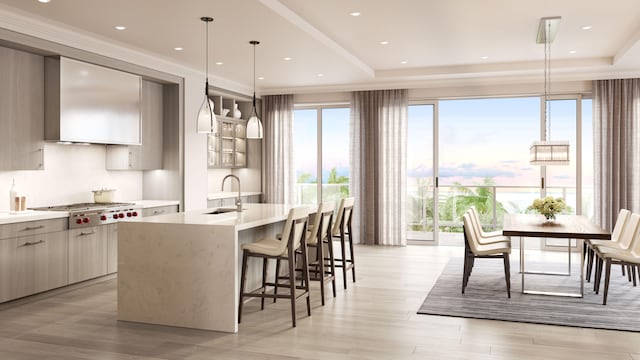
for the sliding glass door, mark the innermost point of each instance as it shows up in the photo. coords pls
(421, 174)
(321, 153)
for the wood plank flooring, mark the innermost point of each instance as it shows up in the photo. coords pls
(374, 318)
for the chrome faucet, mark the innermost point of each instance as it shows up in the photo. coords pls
(238, 201)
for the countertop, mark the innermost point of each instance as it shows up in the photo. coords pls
(230, 194)
(33, 215)
(144, 204)
(30, 215)
(253, 215)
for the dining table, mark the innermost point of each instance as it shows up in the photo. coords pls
(534, 226)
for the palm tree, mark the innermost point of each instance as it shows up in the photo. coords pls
(463, 198)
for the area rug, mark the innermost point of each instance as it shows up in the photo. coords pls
(486, 298)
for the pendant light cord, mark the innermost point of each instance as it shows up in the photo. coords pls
(547, 82)
(254, 79)
(206, 60)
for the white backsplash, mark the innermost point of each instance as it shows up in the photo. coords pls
(71, 172)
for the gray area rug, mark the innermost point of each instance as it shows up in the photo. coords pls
(486, 297)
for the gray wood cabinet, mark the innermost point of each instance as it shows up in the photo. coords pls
(87, 253)
(21, 110)
(228, 148)
(159, 210)
(32, 264)
(149, 155)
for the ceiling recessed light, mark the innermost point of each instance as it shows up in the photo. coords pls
(120, 27)
(385, 42)
(44, 1)
(572, 51)
(403, 62)
(260, 78)
(178, 48)
(355, 13)
(320, 74)
(286, 59)
(484, 57)
(587, 27)
(219, 63)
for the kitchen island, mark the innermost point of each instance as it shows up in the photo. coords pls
(183, 269)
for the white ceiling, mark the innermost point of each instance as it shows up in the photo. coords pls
(440, 40)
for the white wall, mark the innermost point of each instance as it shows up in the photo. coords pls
(71, 172)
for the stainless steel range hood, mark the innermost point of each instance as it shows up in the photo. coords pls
(87, 103)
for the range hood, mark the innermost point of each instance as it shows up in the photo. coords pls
(86, 103)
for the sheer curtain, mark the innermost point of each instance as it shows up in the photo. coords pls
(278, 173)
(378, 157)
(616, 129)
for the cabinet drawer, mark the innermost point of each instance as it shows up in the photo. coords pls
(159, 210)
(29, 228)
(32, 264)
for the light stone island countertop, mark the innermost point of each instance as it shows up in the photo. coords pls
(252, 215)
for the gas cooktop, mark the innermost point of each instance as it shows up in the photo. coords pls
(83, 206)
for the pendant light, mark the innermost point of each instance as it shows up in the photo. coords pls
(547, 152)
(207, 122)
(254, 125)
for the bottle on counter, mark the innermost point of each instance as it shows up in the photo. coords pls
(13, 193)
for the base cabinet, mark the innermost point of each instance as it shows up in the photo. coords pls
(159, 210)
(87, 253)
(32, 264)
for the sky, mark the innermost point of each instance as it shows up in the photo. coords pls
(478, 138)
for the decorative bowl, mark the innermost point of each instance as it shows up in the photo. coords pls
(225, 112)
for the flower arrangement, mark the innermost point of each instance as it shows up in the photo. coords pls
(548, 206)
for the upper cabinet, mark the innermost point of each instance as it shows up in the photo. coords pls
(21, 110)
(149, 154)
(228, 148)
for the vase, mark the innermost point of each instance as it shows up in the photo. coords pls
(236, 112)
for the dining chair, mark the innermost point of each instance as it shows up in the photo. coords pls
(485, 237)
(629, 256)
(621, 221)
(293, 237)
(624, 244)
(473, 250)
(343, 232)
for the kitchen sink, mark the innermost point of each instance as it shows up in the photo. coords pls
(221, 211)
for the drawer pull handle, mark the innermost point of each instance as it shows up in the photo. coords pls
(87, 233)
(156, 212)
(29, 243)
(29, 228)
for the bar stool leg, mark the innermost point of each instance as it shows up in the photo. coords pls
(292, 284)
(344, 260)
(242, 281)
(332, 264)
(305, 275)
(353, 262)
(275, 281)
(264, 281)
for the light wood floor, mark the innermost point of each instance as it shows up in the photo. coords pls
(374, 319)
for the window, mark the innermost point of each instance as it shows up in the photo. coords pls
(321, 146)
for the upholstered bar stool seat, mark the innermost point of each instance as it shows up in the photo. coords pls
(322, 269)
(293, 237)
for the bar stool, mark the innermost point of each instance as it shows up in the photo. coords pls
(318, 236)
(293, 237)
(342, 231)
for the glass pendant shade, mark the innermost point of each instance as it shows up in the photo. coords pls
(549, 153)
(207, 122)
(254, 127)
